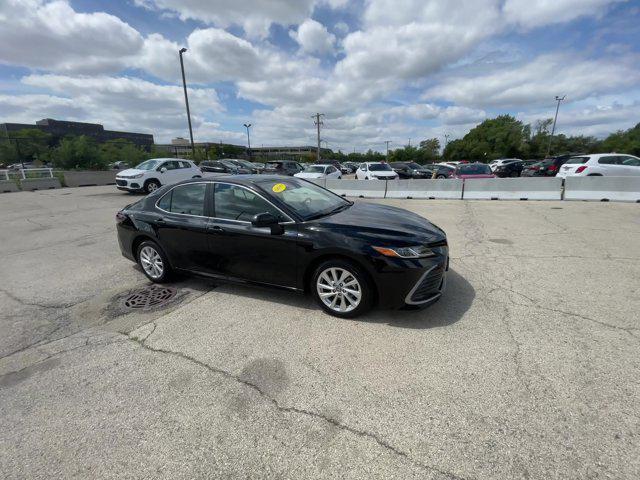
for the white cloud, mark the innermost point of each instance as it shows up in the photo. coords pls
(538, 82)
(530, 14)
(254, 17)
(55, 37)
(125, 103)
(313, 37)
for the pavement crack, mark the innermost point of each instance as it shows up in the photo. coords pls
(26, 303)
(341, 426)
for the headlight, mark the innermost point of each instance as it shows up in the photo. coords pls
(418, 251)
(140, 175)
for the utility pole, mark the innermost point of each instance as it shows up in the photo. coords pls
(409, 142)
(247, 126)
(446, 139)
(553, 129)
(186, 101)
(318, 122)
(387, 142)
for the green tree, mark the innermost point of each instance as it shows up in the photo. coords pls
(627, 141)
(79, 153)
(430, 150)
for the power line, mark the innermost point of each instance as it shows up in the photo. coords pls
(318, 123)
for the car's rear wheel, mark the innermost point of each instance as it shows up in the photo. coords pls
(342, 289)
(151, 186)
(440, 176)
(153, 262)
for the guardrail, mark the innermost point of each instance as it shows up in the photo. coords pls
(623, 189)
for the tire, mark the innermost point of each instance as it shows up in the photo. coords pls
(153, 262)
(440, 176)
(151, 186)
(514, 174)
(347, 303)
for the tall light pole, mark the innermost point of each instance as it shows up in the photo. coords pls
(318, 122)
(555, 119)
(387, 142)
(247, 126)
(186, 101)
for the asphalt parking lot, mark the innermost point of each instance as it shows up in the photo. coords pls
(528, 367)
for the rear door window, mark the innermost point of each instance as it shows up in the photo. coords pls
(576, 160)
(609, 160)
(185, 199)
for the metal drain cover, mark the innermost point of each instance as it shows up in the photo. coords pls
(149, 297)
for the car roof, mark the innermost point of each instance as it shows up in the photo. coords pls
(246, 180)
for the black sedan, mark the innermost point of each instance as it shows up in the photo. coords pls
(287, 233)
(412, 170)
(509, 169)
(222, 166)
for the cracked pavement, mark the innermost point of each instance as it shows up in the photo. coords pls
(527, 368)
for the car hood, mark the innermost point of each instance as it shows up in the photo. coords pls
(382, 173)
(309, 175)
(392, 224)
(129, 172)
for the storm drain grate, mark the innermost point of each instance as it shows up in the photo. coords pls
(150, 297)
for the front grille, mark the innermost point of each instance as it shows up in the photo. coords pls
(121, 183)
(430, 285)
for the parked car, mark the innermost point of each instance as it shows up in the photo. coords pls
(411, 170)
(282, 167)
(375, 171)
(259, 166)
(152, 174)
(344, 169)
(493, 164)
(245, 165)
(473, 170)
(602, 164)
(351, 166)
(443, 171)
(319, 171)
(355, 255)
(223, 166)
(119, 165)
(548, 167)
(509, 169)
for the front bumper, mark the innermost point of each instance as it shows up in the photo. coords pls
(128, 184)
(411, 282)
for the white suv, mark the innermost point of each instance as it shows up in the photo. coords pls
(152, 174)
(494, 164)
(601, 164)
(375, 171)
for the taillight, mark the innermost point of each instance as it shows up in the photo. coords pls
(534, 167)
(120, 217)
(552, 168)
(581, 168)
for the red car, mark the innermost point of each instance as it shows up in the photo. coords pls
(473, 170)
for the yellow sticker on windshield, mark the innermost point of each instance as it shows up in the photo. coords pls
(279, 187)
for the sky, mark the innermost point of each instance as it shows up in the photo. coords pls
(398, 70)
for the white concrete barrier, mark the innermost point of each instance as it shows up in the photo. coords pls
(39, 183)
(8, 186)
(322, 182)
(90, 178)
(529, 188)
(357, 188)
(428, 188)
(621, 189)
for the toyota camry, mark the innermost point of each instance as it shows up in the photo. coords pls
(287, 233)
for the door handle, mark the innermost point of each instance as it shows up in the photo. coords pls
(161, 221)
(216, 229)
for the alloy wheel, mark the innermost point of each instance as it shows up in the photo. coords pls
(152, 187)
(151, 262)
(339, 289)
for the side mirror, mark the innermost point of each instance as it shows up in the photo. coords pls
(261, 220)
(163, 170)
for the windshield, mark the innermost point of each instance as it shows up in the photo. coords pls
(148, 165)
(229, 164)
(474, 169)
(314, 169)
(380, 167)
(415, 166)
(305, 198)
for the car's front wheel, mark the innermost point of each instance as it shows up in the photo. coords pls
(153, 262)
(151, 186)
(342, 289)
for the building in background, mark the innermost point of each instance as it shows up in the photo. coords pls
(59, 129)
(180, 147)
